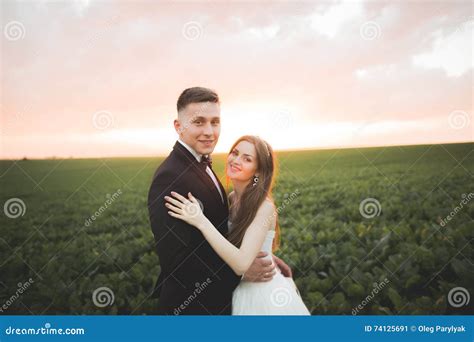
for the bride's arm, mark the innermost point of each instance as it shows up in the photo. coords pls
(239, 259)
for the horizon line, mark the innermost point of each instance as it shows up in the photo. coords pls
(223, 153)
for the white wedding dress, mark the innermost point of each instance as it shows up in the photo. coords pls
(278, 296)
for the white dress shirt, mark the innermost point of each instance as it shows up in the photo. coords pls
(208, 169)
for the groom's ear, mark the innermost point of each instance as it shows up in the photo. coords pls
(177, 126)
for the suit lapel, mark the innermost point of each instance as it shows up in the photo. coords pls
(201, 173)
(224, 194)
(209, 183)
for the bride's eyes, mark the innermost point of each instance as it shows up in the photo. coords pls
(235, 154)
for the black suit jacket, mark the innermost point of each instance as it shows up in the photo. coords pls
(194, 280)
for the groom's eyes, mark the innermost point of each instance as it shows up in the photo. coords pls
(199, 122)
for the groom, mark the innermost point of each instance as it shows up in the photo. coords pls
(194, 280)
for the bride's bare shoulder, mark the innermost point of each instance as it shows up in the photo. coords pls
(268, 205)
(268, 212)
(269, 201)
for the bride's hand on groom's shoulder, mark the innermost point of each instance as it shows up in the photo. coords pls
(186, 209)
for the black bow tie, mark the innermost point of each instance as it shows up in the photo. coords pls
(206, 161)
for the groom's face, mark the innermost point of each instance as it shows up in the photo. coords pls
(199, 126)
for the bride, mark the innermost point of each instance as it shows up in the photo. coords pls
(252, 228)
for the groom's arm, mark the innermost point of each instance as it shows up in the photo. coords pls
(171, 235)
(263, 270)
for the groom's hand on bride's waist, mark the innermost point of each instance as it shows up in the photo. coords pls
(263, 269)
(284, 268)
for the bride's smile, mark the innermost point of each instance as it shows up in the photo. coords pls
(241, 162)
(234, 168)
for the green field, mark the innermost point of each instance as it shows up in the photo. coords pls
(337, 254)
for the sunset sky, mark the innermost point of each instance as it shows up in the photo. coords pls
(99, 78)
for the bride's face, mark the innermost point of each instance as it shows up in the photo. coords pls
(242, 162)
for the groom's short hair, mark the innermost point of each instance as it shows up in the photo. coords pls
(196, 95)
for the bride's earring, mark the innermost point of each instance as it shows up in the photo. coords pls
(255, 180)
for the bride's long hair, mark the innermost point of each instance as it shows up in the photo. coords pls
(244, 210)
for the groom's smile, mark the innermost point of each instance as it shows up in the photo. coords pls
(207, 143)
(198, 125)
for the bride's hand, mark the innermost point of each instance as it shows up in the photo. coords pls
(188, 210)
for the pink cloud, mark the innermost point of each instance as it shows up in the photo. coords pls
(133, 60)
